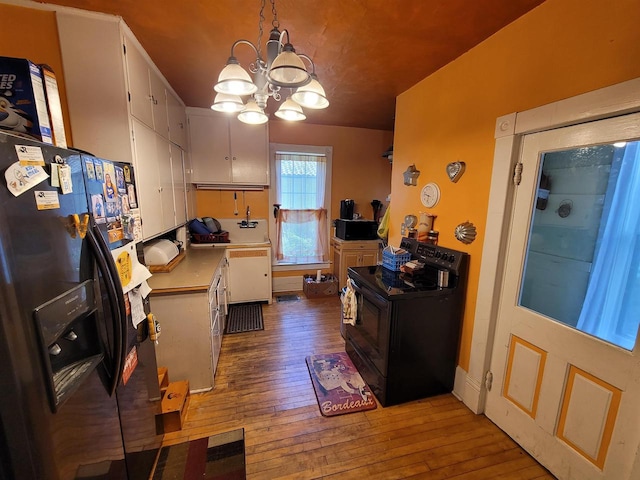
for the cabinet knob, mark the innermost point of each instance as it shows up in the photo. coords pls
(233, 158)
(226, 158)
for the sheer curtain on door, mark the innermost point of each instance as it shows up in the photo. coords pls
(611, 308)
(301, 221)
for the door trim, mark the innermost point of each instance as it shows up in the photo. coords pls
(510, 130)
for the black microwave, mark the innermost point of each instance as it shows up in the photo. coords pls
(356, 229)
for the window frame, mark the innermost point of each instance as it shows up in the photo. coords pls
(327, 151)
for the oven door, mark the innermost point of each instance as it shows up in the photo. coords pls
(370, 335)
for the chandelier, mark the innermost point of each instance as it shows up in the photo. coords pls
(282, 69)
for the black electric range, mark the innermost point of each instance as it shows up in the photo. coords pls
(405, 339)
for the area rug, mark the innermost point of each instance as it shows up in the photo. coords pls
(338, 385)
(219, 457)
(244, 317)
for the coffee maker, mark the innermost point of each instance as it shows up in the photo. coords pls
(346, 209)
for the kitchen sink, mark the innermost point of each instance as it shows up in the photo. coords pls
(256, 232)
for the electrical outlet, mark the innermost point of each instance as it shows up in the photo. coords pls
(403, 229)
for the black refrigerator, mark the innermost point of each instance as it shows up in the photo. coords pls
(78, 381)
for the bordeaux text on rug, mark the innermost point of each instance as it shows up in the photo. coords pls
(245, 317)
(218, 457)
(338, 385)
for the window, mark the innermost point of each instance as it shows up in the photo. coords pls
(300, 195)
(583, 262)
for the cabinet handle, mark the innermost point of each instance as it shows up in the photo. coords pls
(233, 158)
(226, 158)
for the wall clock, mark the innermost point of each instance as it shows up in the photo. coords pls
(430, 195)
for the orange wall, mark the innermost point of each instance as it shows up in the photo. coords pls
(33, 34)
(358, 170)
(560, 49)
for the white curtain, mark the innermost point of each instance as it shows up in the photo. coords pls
(301, 222)
(610, 311)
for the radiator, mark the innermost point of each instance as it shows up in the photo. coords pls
(287, 284)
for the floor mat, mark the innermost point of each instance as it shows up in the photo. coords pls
(219, 457)
(287, 298)
(244, 317)
(338, 385)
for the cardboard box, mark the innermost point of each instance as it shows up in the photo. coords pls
(23, 105)
(325, 288)
(54, 106)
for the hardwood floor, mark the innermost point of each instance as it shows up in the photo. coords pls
(262, 385)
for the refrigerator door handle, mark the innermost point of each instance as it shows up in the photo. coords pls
(116, 301)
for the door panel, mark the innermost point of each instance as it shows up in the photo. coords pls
(565, 362)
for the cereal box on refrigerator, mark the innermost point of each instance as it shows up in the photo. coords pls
(23, 105)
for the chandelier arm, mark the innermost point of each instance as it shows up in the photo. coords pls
(308, 59)
(280, 42)
(246, 42)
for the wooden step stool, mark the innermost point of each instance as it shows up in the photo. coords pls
(174, 405)
(163, 379)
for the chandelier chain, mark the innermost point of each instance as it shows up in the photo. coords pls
(260, 30)
(274, 23)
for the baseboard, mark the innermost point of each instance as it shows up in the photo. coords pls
(287, 284)
(467, 389)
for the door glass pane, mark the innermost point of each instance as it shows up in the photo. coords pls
(583, 256)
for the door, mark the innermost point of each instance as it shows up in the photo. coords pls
(565, 362)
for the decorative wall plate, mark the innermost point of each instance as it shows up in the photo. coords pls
(465, 232)
(455, 170)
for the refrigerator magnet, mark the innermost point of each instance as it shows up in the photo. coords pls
(64, 173)
(21, 178)
(29, 155)
(47, 200)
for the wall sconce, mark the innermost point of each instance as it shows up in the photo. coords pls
(411, 176)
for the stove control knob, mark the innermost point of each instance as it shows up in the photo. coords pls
(452, 258)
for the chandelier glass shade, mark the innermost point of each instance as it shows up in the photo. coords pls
(282, 68)
(225, 102)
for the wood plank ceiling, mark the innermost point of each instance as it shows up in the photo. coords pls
(366, 52)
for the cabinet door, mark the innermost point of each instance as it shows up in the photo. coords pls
(179, 193)
(159, 105)
(147, 178)
(249, 275)
(165, 178)
(139, 86)
(368, 258)
(96, 85)
(249, 153)
(348, 259)
(209, 148)
(177, 120)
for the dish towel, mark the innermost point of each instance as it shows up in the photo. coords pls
(349, 304)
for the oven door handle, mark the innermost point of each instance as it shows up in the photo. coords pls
(373, 297)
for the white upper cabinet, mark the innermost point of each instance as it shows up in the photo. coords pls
(225, 151)
(177, 120)
(119, 107)
(147, 91)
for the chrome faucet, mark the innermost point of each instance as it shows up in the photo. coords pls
(248, 214)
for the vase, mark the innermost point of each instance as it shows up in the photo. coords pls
(425, 225)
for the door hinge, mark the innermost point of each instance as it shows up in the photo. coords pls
(488, 380)
(517, 173)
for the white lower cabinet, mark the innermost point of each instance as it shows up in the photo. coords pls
(249, 274)
(192, 327)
